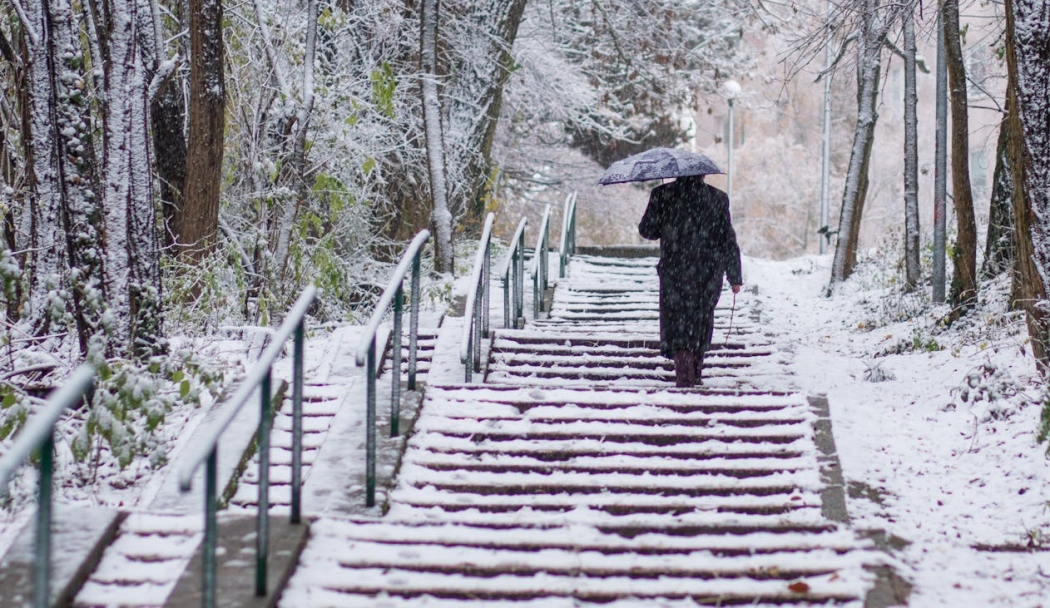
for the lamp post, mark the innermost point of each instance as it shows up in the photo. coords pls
(730, 90)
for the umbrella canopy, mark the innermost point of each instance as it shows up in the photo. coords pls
(658, 163)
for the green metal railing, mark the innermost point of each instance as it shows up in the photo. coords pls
(366, 354)
(568, 234)
(540, 264)
(512, 271)
(476, 311)
(39, 434)
(206, 451)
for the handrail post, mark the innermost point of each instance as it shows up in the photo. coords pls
(42, 580)
(211, 532)
(572, 229)
(507, 304)
(519, 282)
(366, 352)
(395, 365)
(477, 333)
(370, 426)
(262, 523)
(486, 278)
(297, 424)
(468, 369)
(413, 324)
(38, 437)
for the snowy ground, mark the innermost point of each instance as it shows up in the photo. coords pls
(965, 486)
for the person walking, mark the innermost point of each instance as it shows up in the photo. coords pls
(697, 249)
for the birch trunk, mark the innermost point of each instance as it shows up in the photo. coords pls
(441, 218)
(912, 269)
(1028, 61)
(963, 290)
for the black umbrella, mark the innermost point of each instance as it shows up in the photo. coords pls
(658, 163)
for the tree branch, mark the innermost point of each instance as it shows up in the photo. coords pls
(838, 57)
(34, 38)
(919, 63)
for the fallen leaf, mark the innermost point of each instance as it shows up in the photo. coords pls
(799, 587)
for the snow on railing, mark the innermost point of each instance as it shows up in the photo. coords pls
(568, 234)
(39, 433)
(512, 272)
(476, 311)
(539, 266)
(206, 451)
(366, 354)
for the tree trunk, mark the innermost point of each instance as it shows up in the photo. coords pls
(296, 161)
(478, 171)
(167, 114)
(1000, 245)
(47, 248)
(197, 226)
(912, 269)
(77, 181)
(868, 70)
(441, 218)
(963, 292)
(1028, 61)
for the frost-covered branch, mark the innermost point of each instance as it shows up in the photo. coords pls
(31, 33)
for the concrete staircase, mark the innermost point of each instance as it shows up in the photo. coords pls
(577, 475)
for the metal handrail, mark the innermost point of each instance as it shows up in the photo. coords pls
(476, 311)
(39, 433)
(366, 354)
(540, 265)
(514, 282)
(206, 451)
(568, 234)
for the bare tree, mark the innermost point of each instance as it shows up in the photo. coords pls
(1028, 63)
(167, 106)
(197, 226)
(1000, 243)
(441, 217)
(873, 28)
(912, 268)
(478, 74)
(132, 261)
(963, 292)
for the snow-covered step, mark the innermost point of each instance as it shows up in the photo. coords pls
(320, 405)
(349, 561)
(141, 567)
(577, 475)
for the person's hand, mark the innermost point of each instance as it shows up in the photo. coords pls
(735, 288)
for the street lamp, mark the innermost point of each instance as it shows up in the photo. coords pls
(730, 90)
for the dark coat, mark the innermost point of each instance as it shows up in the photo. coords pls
(697, 248)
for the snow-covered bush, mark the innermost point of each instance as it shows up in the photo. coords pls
(874, 372)
(131, 400)
(990, 389)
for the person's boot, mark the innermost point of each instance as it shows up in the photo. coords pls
(684, 369)
(698, 379)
